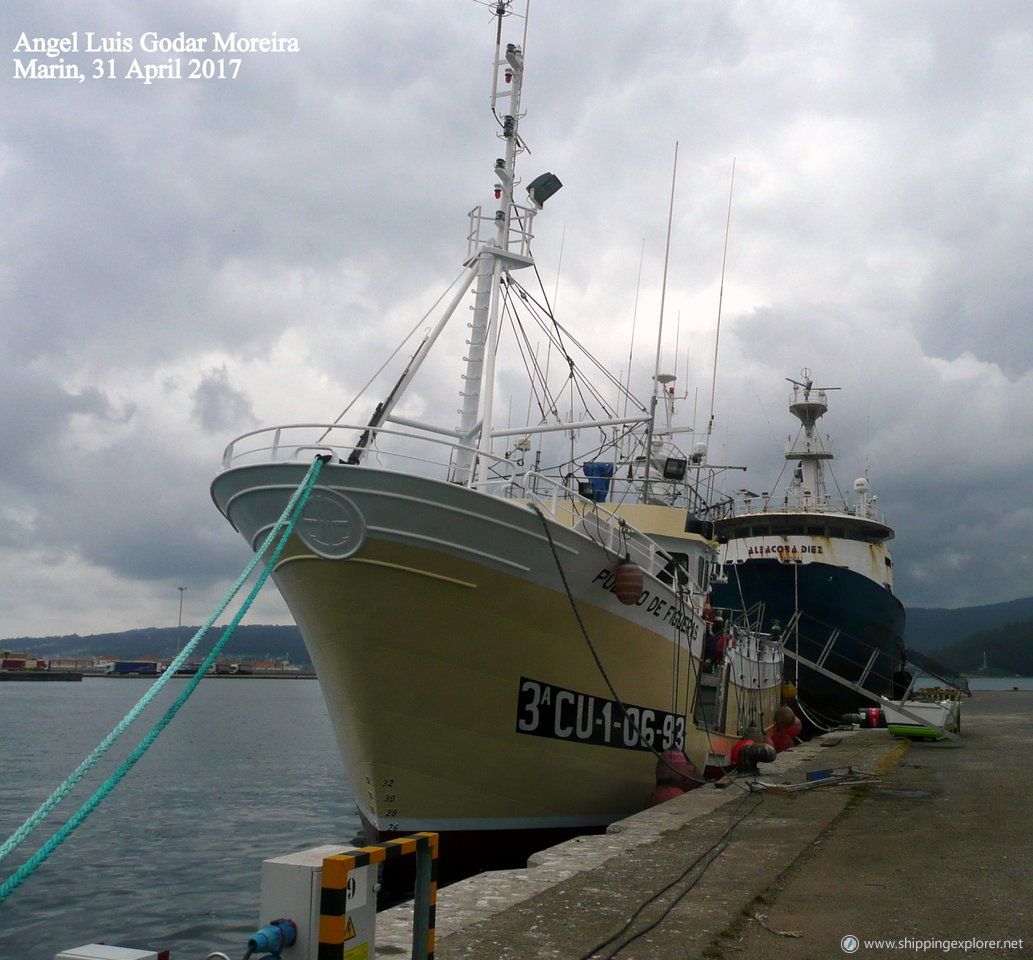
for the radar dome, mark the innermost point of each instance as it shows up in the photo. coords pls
(861, 485)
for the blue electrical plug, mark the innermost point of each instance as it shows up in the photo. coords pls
(273, 937)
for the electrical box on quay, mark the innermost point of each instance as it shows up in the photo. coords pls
(292, 887)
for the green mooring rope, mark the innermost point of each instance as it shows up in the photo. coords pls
(289, 517)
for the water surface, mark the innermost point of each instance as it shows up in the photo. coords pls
(1000, 683)
(171, 860)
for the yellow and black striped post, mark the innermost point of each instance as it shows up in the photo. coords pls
(333, 920)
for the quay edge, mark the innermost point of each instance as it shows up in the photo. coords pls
(580, 892)
(931, 850)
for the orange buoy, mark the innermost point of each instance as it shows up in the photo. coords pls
(676, 770)
(795, 727)
(627, 582)
(663, 792)
(784, 716)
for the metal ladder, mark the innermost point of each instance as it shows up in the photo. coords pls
(857, 686)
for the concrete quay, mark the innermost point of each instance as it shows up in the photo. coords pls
(931, 856)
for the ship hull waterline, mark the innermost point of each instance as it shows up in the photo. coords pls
(463, 694)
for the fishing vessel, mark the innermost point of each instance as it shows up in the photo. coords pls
(508, 623)
(817, 565)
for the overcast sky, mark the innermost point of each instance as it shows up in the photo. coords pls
(188, 259)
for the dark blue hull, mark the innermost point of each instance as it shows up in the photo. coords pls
(867, 614)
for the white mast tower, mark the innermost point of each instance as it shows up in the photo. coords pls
(505, 247)
(809, 404)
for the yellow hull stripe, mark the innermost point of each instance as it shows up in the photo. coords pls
(382, 563)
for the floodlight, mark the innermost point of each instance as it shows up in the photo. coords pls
(543, 187)
(674, 468)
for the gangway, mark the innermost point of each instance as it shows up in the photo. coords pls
(829, 647)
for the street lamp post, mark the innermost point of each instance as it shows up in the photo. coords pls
(179, 628)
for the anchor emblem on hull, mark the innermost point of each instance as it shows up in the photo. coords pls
(331, 526)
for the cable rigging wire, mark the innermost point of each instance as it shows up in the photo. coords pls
(391, 356)
(562, 332)
(540, 395)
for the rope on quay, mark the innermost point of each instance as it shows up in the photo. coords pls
(287, 522)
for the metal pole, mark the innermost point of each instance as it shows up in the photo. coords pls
(179, 627)
(651, 426)
(422, 901)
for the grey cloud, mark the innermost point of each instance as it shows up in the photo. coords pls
(141, 512)
(880, 222)
(217, 406)
(35, 414)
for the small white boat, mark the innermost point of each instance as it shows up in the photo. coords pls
(926, 718)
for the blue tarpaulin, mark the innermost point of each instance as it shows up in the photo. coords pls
(599, 473)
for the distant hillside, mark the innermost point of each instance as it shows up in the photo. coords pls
(932, 629)
(1008, 650)
(255, 642)
(957, 637)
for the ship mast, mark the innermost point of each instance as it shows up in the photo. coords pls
(498, 243)
(809, 404)
(506, 247)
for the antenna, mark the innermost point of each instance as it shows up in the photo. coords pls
(687, 380)
(720, 301)
(634, 320)
(677, 341)
(808, 384)
(651, 424)
(559, 270)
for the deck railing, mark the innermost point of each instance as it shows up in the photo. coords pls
(431, 456)
(761, 505)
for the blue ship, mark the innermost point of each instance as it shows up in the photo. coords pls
(817, 567)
